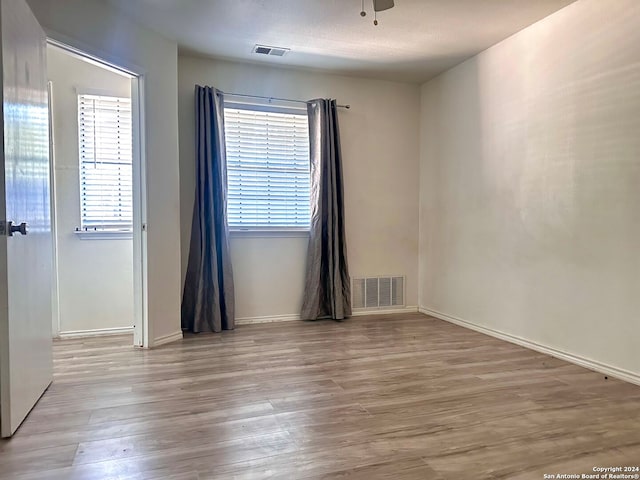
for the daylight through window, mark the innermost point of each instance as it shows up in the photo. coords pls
(267, 169)
(105, 163)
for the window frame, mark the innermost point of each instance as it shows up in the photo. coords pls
(103, 233)
(266, 231)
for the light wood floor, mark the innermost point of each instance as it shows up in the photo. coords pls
(402, 397)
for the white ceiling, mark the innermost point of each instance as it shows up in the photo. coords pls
(414, 41)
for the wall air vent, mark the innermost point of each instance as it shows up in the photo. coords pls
(266, 50)
(377, 292)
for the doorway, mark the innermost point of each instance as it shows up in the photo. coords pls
(97, 189)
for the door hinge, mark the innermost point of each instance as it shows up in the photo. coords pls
(3, 227)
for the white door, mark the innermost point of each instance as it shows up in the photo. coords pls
(25, 253)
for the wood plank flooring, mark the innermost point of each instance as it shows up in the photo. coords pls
(402, 397)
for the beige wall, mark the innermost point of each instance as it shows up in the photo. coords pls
(98, 28)
(380, 149)
(530, 185)
(95, 277)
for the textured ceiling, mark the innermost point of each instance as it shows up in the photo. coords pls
(413, 42)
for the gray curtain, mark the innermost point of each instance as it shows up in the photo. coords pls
(208, 298)
(327, 284)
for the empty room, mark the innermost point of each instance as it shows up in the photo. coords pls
(320, 239)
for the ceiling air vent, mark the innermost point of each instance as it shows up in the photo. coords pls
(266, 50)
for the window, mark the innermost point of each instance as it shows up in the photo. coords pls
(267, 168)
(104, 130)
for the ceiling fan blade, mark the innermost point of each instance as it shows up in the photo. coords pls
(379, 5)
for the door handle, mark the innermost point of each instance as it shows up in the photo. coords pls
(22, 229)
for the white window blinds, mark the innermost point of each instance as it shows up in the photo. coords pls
(267, 169)
(105, 163)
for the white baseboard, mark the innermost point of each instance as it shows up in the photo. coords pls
(172, 337)
(594, 365)
(96, 332)
(267, 319)
(384, 311)
(294, 317)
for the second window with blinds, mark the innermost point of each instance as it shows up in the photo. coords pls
(267, 168)
(105, 143)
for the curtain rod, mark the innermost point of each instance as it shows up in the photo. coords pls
(276, 98)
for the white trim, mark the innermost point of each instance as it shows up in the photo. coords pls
(55, 290)
(596, 366)
(142, 329)
(383, 311)
(294, 316)
(95, 333)
(268, 319)
(172, 337)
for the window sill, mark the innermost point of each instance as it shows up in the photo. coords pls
(104, 235)
(268, 233)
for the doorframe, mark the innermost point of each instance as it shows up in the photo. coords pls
(141, 337)
(55, 298)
